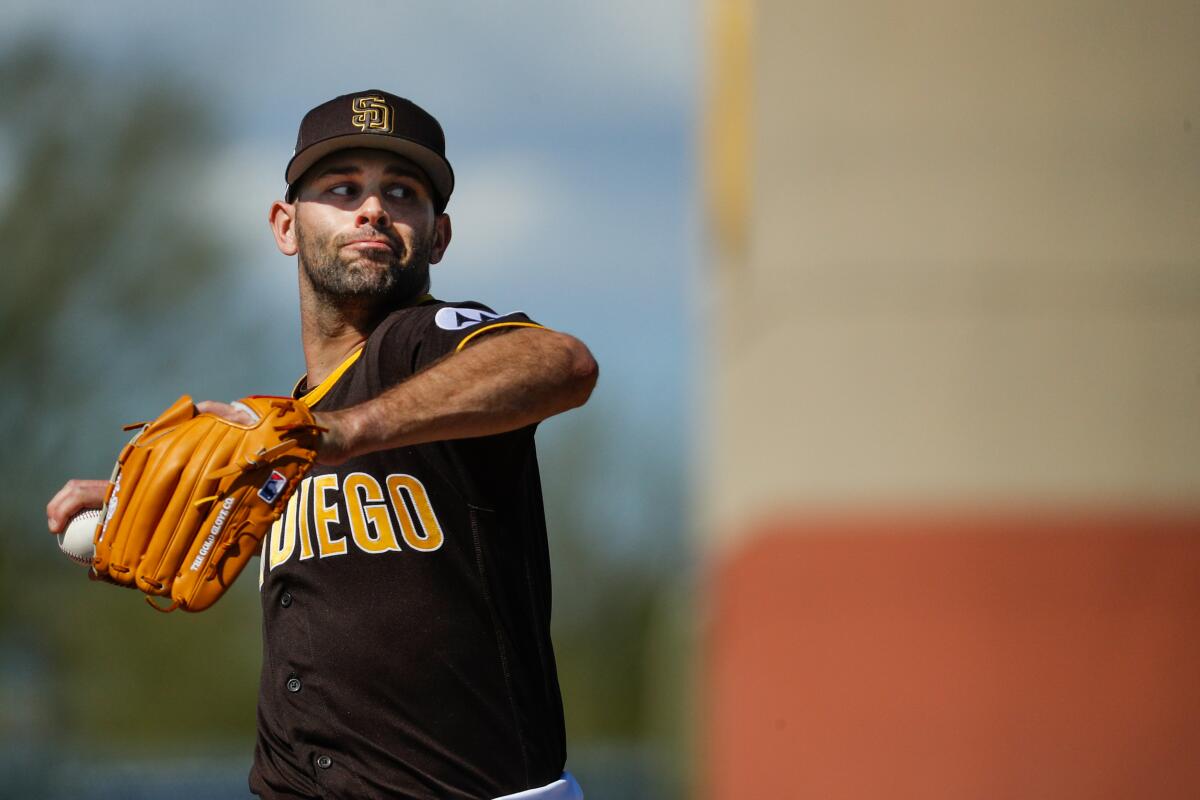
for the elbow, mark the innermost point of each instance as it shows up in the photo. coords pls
(581, 371)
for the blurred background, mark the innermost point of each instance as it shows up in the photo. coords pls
(891, 483)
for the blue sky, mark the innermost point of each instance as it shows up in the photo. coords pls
(570, 127)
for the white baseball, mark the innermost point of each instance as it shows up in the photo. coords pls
(78, 540)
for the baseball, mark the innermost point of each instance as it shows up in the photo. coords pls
(78, 539)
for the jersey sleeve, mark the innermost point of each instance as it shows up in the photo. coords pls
(429, 333)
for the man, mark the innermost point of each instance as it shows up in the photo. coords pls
(406, 590)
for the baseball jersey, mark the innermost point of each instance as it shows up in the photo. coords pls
(406, 603)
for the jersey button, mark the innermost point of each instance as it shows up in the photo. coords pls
(324, 762)
(293, 684)
(285, 599)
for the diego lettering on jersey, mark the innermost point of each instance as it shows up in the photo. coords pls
(393, 516)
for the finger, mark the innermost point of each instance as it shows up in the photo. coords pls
(224, 411)
(53, 506)
(215, 407)
(75, 496)
(56, 508)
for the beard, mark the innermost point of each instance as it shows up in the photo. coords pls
(373, 278)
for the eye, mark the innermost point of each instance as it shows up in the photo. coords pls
(400, 192)
(342, 190)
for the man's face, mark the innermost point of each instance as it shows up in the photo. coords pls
(366, 228)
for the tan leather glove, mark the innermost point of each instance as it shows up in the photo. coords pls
(193, 495)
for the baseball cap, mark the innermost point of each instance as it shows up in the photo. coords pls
(378, 120)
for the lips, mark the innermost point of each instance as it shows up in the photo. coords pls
(371, 245)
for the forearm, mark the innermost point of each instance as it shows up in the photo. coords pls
(504, 382)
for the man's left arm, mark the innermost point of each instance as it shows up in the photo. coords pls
(504, 381)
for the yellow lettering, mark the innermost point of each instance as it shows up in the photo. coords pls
(326, 514)
(283, 534)
(262, 557)
(366, 509)
(305, 493)
(430, 537)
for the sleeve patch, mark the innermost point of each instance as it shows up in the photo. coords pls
(456, 319)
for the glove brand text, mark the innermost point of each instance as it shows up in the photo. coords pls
(213, 532)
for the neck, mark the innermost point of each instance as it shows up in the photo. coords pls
(330, 332)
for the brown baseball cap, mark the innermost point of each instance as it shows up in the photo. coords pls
(378, 120)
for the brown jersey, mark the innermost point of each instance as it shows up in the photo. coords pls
(406, 603)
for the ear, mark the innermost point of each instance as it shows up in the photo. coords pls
(283, 224)
(441, 238)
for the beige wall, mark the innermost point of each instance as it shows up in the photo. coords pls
(967, 263)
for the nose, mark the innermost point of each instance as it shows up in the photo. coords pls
(372, 212)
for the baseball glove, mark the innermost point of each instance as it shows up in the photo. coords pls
(193, 495)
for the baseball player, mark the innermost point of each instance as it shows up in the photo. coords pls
(406, 589)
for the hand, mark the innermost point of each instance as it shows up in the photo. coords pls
(225, 411)
(74, 497)
(260, 446)
(333, 445)
(78, 495)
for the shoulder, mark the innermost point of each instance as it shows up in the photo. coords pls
(410, 338)
(446, 319)
(437, 315)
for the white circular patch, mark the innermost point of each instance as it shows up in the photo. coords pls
(455, 319)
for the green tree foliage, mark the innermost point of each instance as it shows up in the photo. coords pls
(101, 245)
(98, 239)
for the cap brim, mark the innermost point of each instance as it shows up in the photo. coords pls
(436, 167)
